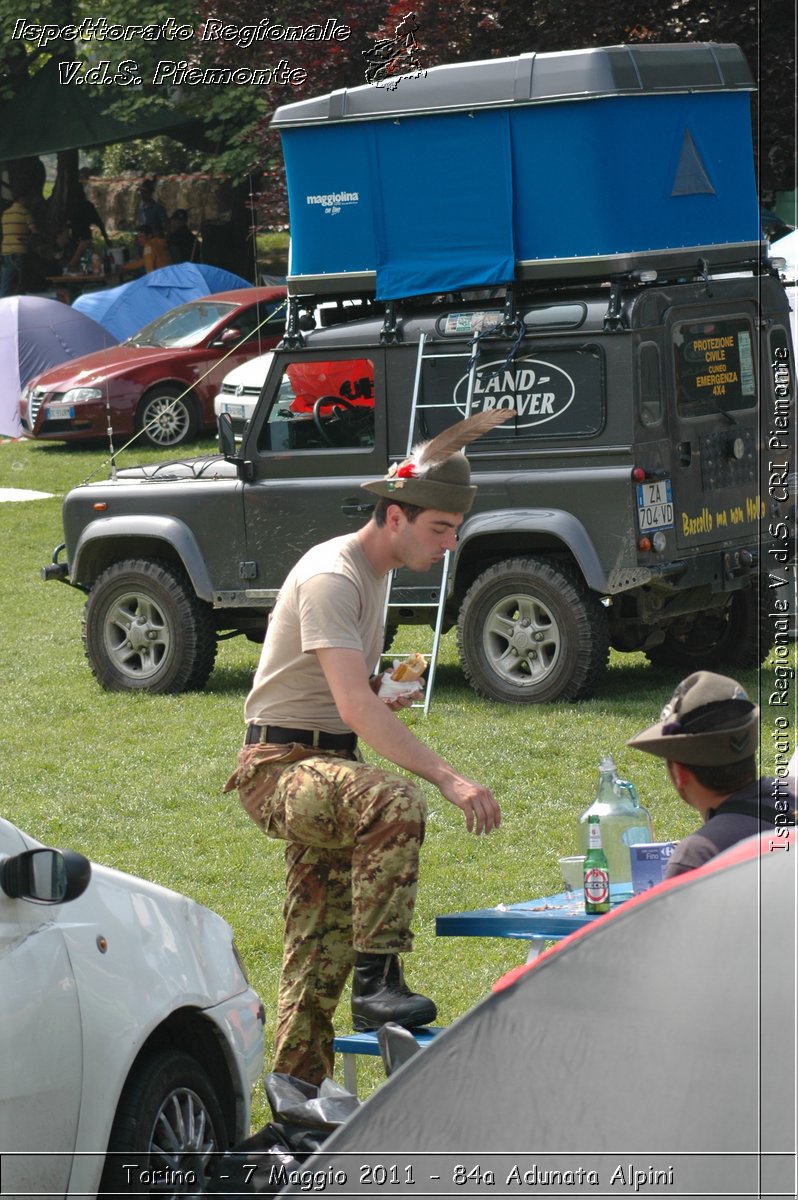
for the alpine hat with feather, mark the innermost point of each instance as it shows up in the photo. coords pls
(437, 474)
(708, 721)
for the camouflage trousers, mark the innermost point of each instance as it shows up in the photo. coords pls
(352, 835)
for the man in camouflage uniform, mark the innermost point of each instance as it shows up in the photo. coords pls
(352, 831)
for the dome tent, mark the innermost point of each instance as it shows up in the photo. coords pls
(36, 334)
(659, 1040)
(126, 309)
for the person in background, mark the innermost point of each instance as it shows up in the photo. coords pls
(18, 226)
(73, 246)
(180, 241)
(83, 213)
(150, 211)
(154, 253)
(708, 734)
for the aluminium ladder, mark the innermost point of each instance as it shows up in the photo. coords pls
(439, 602)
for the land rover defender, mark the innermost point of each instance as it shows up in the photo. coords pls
(630, 316)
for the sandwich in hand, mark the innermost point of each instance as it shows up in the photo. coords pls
(409, 670)
(404, 679)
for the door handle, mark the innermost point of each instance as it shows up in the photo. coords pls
(355, 507)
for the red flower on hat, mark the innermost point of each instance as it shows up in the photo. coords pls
(406, 471)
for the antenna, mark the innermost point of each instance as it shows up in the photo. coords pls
(110, 431)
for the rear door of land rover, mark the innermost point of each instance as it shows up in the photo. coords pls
(714, 416)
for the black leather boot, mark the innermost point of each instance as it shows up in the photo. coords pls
(380, 994)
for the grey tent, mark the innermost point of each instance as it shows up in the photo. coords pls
(653, 1054)
(36, 334)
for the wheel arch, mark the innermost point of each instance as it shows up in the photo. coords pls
(189, 1030)
(115, 538)
(486, 538)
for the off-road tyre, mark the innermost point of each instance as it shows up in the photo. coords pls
(530, 632)
(145, 630)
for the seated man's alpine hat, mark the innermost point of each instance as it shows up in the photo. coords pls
(708, 722)
(437, 474)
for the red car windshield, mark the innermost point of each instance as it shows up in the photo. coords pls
(185, 326)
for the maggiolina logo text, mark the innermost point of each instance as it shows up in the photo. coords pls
(333, 198)
(537, 390)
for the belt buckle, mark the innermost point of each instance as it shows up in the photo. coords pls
(316, 739)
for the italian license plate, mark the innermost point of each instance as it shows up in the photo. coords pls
(655, 505)
(235, 410)
(60, 412)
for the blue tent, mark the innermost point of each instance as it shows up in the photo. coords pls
(126, 309)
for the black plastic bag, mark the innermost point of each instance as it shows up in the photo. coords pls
(309, 1107)
(259, 1166)
(304, 1117)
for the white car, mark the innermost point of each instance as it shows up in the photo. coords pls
(130, 1040)
(242, 386)
(240, 390)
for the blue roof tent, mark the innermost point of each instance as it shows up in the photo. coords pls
(578, 162)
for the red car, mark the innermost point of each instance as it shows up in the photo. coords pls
(161, 382)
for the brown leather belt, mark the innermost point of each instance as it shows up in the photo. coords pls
(278, 734)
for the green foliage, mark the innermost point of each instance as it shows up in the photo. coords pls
(135, 781)
(150, 156)
(273, 253)
(235, 136)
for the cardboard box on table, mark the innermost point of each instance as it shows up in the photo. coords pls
(649, 860)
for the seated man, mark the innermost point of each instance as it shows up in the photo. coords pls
(708, 735)
(154, 253)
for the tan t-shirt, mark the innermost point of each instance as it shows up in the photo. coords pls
(333, 597)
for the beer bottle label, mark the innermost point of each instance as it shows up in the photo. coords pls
(597, 885)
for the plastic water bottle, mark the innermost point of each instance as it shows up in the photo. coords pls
(624, 821)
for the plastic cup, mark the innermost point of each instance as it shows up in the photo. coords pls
(572, 870)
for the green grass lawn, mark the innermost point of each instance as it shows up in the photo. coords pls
(135, 781)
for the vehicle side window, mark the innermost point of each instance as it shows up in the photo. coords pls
(322, 405)
(247, 321)
(714, 366)
(649, 384)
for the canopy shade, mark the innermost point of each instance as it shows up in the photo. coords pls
(47, 116)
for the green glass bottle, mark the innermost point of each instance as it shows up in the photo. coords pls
(597, 875)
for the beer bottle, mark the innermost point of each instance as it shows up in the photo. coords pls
(597, 875)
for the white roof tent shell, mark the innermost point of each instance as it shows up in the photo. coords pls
(578, 163)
